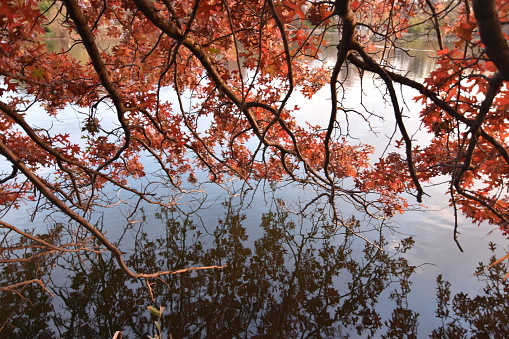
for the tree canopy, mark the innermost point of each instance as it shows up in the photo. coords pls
(231, 69)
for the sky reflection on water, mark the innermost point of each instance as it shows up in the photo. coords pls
(298, 277)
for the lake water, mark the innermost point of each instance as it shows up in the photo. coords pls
(289, 275)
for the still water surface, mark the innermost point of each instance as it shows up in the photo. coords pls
(288, 275)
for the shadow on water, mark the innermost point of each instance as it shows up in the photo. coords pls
(478, 316)
(300, 278)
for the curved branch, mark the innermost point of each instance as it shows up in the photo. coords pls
(41, 187)
(474, 125)
(88, 39)
(433, 96)
(59, 156)
(13, 287)
(3, 224)
(490, 29)
(494, 87)
(344, 10)
(375, 67)
(436, 25)
(10, 176)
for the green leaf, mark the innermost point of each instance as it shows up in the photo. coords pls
(154, 311)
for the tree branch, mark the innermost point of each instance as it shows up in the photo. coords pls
(490, 29)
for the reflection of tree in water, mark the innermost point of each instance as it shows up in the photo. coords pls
(25, 312)
(480, 316)
(299, 279)
(25, 266)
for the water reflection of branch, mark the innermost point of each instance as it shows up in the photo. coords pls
(39, 243)
(300, 278)
(285, 282)
(480, 316)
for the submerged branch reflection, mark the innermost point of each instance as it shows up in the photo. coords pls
(300, 278)
(479, 316)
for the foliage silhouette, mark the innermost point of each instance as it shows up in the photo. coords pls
(303, 277)
(480, 316)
